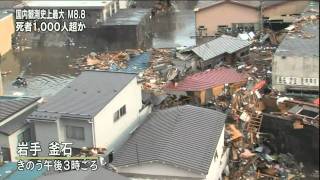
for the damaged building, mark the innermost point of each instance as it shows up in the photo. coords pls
(224, 49)
(204, 86)
(295, 66)
(128, 28)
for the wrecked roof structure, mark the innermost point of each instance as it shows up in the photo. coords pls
(305, 43)
(295, 65)
(219, 46)
(208, 79)
(85, 96)
(183, 136)
(10, 106)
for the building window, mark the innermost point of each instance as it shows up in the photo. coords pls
(280, 80)
(123, 110)
(73, 132)
(284, 80)
(295, 80)
(291, 80)
(118, 114)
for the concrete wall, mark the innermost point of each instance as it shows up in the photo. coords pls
(295, 67)
(218, 164)
(291, 7)
(13, 142)
(106, 130)
(6, 31)
(225, 14)
(46, 132)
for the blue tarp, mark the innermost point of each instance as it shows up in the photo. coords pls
(135, 64)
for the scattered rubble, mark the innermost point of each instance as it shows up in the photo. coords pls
(154, 77)
(106, 60)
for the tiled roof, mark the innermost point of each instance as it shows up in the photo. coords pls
(207, 79)
(219, 46)
(11, 105)
(85, 96)
(183, 136)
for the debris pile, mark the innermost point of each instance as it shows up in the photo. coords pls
(254, 155)
(154, 77)
(173, 100)
(106, 60)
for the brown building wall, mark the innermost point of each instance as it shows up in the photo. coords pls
(291, 7)
(1, 88)
(228, 13)
(225, 14)
(6, 31)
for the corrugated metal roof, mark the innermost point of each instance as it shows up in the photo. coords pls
(15, 124)
(185, 136)
(219, 46)
(11, 105)
(85, 96)
(100, 174)
(208, 79)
